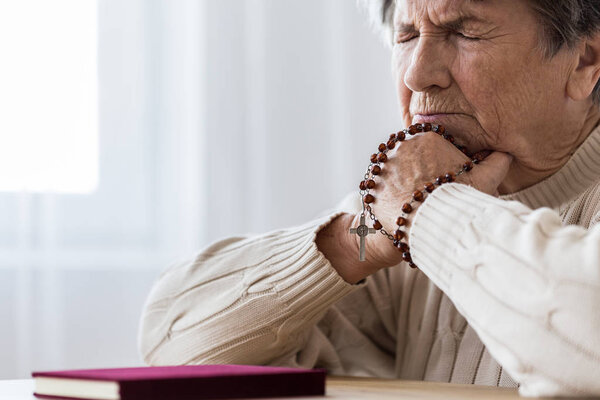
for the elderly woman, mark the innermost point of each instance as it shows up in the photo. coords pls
(507, 291)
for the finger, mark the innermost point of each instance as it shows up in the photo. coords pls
(490, 173)
(497, 163)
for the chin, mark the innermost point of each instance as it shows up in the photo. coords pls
(465, 129)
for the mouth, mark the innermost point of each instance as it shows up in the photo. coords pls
(462, 126)
(432, 117)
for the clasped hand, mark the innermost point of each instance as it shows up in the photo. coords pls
(412, 164)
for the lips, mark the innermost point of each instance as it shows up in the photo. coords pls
(432, 117)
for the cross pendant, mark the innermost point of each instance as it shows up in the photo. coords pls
(362, 230)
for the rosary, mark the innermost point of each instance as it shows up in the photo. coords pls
(374, 169)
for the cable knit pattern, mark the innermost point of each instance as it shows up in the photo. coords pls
(507, 293)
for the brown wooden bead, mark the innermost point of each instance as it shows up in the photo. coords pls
(403, 247)
(376, 170)
(371, 184)
(401, 136)
(401, 221)
(413, 129)
(399, 235)
(391, 144)
(377, 225)
(369, 198)
(374, 158)
(407, 208)
(440, 179)
(382, 157)
(479, 155)
(382, 147)
(426, 127)
(429, 187)
(418, 195)
(441, 130)
(467, 166)
(406, 256)
(449, 177)
(363, 185)
(393, 136)
(412, 265)
(449, 138)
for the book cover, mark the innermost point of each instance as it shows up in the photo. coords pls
(179, 382)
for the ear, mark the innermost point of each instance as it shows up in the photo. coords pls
(584, 77)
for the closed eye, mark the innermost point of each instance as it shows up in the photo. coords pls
(466, 37)
(400, 37)
(403, 37)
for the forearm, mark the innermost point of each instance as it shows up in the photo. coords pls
(241, 300)
(526, 284)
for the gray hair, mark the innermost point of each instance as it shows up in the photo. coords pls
(563, 23)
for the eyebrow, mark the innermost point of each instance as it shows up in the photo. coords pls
(456, 24)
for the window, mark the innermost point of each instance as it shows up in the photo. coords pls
(48, 100)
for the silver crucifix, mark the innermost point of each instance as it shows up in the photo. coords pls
(362, 230)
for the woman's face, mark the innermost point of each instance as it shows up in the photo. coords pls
(476, 66)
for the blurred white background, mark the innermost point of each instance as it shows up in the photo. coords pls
(214, 118)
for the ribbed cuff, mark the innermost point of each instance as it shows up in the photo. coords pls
(440, 229)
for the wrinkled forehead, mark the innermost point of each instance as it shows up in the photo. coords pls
(439, 10)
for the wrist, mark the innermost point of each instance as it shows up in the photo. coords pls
(342, 250)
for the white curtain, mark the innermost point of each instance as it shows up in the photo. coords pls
(216, 118)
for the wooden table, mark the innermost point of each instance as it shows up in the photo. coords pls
(344, 388)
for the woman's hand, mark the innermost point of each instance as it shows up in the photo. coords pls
(412, 164)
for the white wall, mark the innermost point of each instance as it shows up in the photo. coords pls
(217, 117)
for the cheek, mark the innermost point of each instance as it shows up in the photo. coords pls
(497, 90)
(511, 80)
(404, 94)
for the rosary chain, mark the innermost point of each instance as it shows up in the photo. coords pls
(374, 169)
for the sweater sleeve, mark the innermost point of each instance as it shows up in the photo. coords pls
(242, 300)
(528, 285)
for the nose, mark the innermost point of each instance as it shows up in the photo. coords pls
(427, 66)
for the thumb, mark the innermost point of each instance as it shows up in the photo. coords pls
(497, 161)
(490, 172)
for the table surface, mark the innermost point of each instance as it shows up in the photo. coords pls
(346, 388)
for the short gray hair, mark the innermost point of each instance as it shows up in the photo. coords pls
(563, 23)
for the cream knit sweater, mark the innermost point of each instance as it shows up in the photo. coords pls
(506, 293)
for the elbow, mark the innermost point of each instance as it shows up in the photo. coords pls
(153, 332)
(543, 386)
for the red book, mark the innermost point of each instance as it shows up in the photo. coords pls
(185, 382)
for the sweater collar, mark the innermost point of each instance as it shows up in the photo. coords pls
(577, 175)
